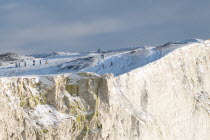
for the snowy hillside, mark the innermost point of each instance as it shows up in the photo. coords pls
(154, 93)
(114, 61)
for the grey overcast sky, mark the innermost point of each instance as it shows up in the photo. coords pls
(37, 26)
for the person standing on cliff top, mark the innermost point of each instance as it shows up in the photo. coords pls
(16, 65)
(46, 62)
(111, 64)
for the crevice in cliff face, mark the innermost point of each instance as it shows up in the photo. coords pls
(103, 90)
(23, 134)
(144, 99)
(203, 101)
(83, 133)
(38, 136)
(201, 62)
(135, 125)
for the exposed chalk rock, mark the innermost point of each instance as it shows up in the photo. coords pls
(168, 99)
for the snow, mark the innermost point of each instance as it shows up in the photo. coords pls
(118, 61)
(46, 115)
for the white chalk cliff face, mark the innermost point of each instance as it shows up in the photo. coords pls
(167, 99)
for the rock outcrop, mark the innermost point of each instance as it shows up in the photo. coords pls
(168, 99)
(8, 57)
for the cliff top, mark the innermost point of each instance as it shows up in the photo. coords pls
(113, 61)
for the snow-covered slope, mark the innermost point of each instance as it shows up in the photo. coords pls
(154, 93)
(114, 61)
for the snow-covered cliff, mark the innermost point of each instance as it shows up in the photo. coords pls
(166, 99)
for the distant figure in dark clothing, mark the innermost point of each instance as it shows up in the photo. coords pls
(111, 64)
(19, 64)
(102, 56)
(16, 65)
(25, 64)
(40, 61)
(33, 62)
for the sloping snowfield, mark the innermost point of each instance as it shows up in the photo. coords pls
(115, 61)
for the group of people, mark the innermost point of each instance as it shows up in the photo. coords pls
(18, 64)
(111, 64)
(40, 62)
(103, 56)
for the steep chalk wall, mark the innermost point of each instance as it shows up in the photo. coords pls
(54, 107)
(167, 99)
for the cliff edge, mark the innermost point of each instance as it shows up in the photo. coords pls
(165, 99)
